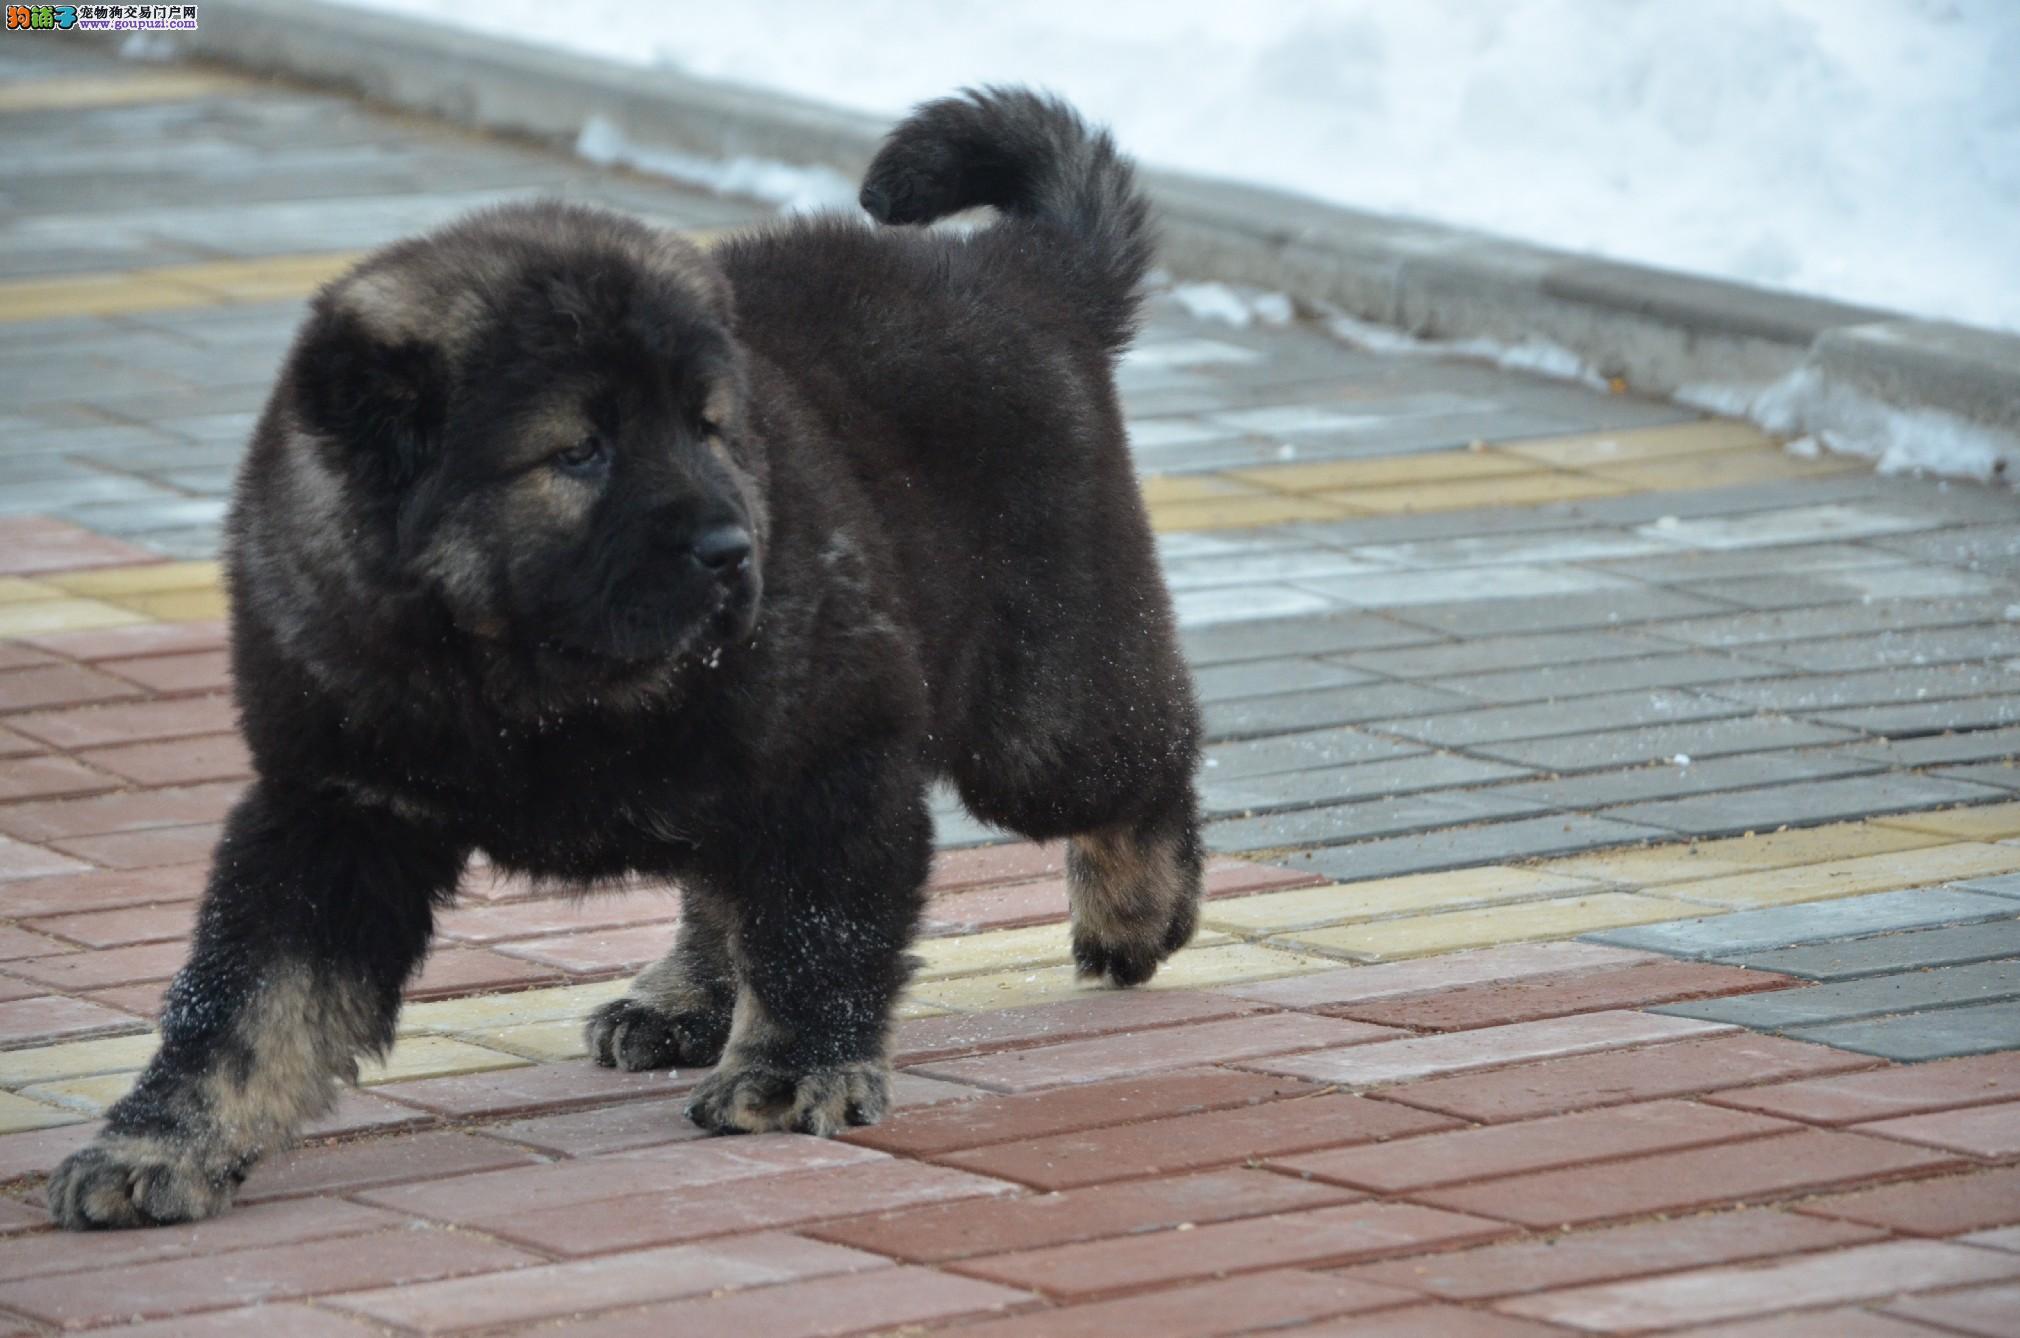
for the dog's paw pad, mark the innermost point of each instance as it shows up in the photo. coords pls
(630, 1034)
(754, 1098)
(1126, 956)
(130, 1181)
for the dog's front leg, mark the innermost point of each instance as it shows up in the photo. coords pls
(317, 911)
(823, 899)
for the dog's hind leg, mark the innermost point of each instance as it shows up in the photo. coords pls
(1134, 888)
(317, 911)
(677, 1012)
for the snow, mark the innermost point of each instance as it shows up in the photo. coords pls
(1815, 410)
(792, 187)
(1867, 150)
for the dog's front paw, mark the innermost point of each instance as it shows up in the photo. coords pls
(629, 1033)
(130, 1180)
(751, 1097)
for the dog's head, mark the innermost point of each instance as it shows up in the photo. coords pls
(536, 419)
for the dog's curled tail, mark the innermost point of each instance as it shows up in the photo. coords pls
(1033, 158)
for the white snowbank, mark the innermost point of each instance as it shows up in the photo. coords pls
(1816, 410)
(1867, 150)
(793, 188)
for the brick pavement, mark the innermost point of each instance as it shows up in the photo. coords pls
(1608, 801)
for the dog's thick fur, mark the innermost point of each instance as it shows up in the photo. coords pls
(566, 543)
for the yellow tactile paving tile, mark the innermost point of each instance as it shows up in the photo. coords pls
(18, 1114)
(82, 1097)
(1585, 450)
(1466, 494)
(46, 95)
(1695, 861)
(478, 1012)
(76, 1059)
(433, 1057)
(1195, 968)
(1383, 471)
(142, 579)
(542, 1042)
(1168, 489)
(202, 284)
(1519, 922)
(95, 295)
(16, 589)
(1726, 469)
(1237, 513)
(177, 606)
(1992, 822)
(1893, 872)
(1340, 903)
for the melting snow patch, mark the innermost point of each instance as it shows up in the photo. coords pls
(795, 189)
(1814, 408)
(1229, 305)
(1540, 357)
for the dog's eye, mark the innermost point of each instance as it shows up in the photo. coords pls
(711, 429)
(584, 457)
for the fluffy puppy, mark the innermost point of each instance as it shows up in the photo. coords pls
(564, 542)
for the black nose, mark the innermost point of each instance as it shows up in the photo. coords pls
(722, 548)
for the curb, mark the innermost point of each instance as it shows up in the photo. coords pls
(1660, 331)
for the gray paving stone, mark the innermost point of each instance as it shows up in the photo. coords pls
(1970, 745)
(1943, 1033)
(1440, 659)
(1366, 780)
(2005, 775)
(1912, 646)
(2005, 885)
(1586, 545)
(1741, 500)
(1990, 548)
(1575, 679)
(1687, 566)
(74, 490)
(1737, 811)
(1809, 694)
(195, 542)
(1300, 752)
(1925, 717)
(1948, 945)
(1533, 720)
(1742, 932)
(1363, 531)
(1265, 678)
(1462, 847)
(1770, 592)
(1340, 823)
(1746, 629)
(160, 511)
(1253, 717)
(1215, 569)
(1555, 613)
(1267, 639)
(1660, 743)
(1604, 789)
(1872, 996)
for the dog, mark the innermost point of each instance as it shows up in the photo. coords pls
(564, 542)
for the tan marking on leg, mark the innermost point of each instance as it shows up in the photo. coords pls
(1132, 901)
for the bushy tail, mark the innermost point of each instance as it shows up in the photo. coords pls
(1032, 157)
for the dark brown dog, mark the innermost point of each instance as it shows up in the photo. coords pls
(562, 541)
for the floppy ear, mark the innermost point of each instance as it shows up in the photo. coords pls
(378, 401)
